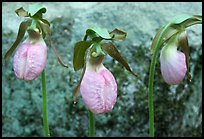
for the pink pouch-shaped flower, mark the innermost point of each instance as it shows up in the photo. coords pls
(98, 89)
(30, 59)
(173, 64)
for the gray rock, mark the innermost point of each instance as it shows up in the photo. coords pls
(178, 109)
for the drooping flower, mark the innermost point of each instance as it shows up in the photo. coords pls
(30, 59)
(173, 62)
(98, 89)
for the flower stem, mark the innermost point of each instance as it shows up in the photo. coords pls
(151, 80)
(91, 124)
(45, 121)
(91, 115)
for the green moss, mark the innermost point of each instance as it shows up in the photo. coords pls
(178, 109)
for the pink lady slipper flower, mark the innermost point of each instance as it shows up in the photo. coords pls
(30, 59)
(98, 88)
(173, 62)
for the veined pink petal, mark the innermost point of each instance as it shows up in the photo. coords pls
(99, 89)
(30, 60)
(173, 65)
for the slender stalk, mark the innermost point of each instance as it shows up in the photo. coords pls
(151, 80)
(91, 115)
(91, 124)
(45, 121)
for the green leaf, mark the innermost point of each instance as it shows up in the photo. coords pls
(110, 49)
(21, 33)
(79, 54)
(36, 8)
(180, 18)
(76, 90)
(102, 32)
(117, 34)
(183, 43)
(172, 30)
(21, 12)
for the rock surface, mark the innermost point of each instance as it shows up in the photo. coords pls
(178, 109)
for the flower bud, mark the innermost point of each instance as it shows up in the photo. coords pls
(30, 59)
(98, 89)
(173, 62)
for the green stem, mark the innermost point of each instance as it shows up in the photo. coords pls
(91, 115)
(91, 124)
(45, 121)
(151, 80)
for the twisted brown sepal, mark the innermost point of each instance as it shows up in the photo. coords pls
(110, 49)
(117, 34)
(46, 28)
(76, 90)
(21, 33)
(21, 12)
(183, 43)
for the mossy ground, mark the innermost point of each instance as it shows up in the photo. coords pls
(178, 109)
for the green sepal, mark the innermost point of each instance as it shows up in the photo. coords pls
(79, 54)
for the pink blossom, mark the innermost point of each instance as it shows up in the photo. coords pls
(30, 59)
(99, 89)
(173, 64)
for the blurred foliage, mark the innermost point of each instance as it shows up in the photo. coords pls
(178, 109)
